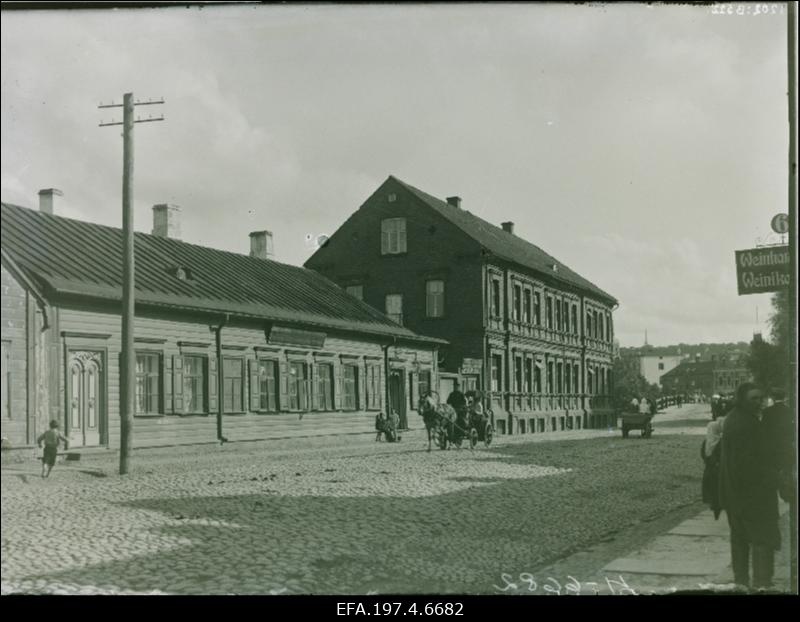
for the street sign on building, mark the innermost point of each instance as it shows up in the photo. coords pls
(471, 366)
(762, 270)
(780, 223)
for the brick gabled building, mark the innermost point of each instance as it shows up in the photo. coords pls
(533, 334)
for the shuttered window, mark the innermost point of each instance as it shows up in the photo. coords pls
(298, 386)
(424, 383)
(194, 384)
(148, 383)
(516, 308)
(537, 308)
(6, 397)
(350, 401)
(393, 236)
(373, 387)
(268, 385)
(324, 386)
(575, 327)
(549, 311)
(233, 385)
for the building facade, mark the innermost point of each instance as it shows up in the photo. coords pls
(655, 366)
(533, 335)
(228, 346)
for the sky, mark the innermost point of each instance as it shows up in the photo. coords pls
(639, 144)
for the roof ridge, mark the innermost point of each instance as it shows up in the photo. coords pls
(454, 214)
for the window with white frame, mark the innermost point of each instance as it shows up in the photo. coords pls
(516, 309)
(233, 386)
(526, 307)
(374, 386)
(434, 298)
(496, 308)
(324, 386)
(355, 290)
(350, 394)
(194, 384)
(393, 236)
(394, 307)
(148, 383)
(298, 386)
(267, 385)
(496, 373)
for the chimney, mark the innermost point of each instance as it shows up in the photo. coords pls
(47, 199)
(508, 227)
(454, 201)
(167, 221)
(261, 245)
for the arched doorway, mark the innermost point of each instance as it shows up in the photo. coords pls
(85, 397)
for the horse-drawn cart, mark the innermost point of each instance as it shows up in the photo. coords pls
(445, 427)
(637, 421)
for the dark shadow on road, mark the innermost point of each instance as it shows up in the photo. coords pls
(459, 542)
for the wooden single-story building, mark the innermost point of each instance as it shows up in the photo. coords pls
(228, 346)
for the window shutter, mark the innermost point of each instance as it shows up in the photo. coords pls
(401, 235)
(177, 383)
(384, 241)
(415, 396)
(166, 379)
(213, 384)
(316, 387)
(284, 386)
(361, 402)
(338, 386)
(255, 386)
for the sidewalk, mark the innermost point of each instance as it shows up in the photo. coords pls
(694, 556)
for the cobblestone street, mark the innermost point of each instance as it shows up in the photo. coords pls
(338, 515)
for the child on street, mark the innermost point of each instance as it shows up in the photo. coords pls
(50, 438)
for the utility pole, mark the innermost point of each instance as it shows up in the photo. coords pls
(792, 93)
(128, 362)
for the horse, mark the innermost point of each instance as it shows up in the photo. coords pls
(435, 416)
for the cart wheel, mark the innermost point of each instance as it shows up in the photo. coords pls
(624, 432)
(488, 434)
(473, 438)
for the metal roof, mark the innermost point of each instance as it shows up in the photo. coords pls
(73, 257)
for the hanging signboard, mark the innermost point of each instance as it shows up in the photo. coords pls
(762, 270)
(281, 335)
(471, 366)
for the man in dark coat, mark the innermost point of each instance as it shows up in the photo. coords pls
(458, 401)
(748, 490)
(778, 426)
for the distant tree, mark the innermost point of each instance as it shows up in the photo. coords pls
(629, 383)
(769, 362)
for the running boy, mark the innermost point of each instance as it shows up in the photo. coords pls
(50, 439)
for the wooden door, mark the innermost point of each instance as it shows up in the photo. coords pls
(397, 396)
(85, 397)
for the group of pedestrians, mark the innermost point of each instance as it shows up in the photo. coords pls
(749, 457)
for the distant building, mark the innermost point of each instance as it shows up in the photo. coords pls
(655, 366)
(523, 327)
(689, 378)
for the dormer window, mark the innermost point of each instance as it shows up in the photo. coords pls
(393, 236)
(182, 273)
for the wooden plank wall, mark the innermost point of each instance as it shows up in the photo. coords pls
(14, 321)
(241, 341)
